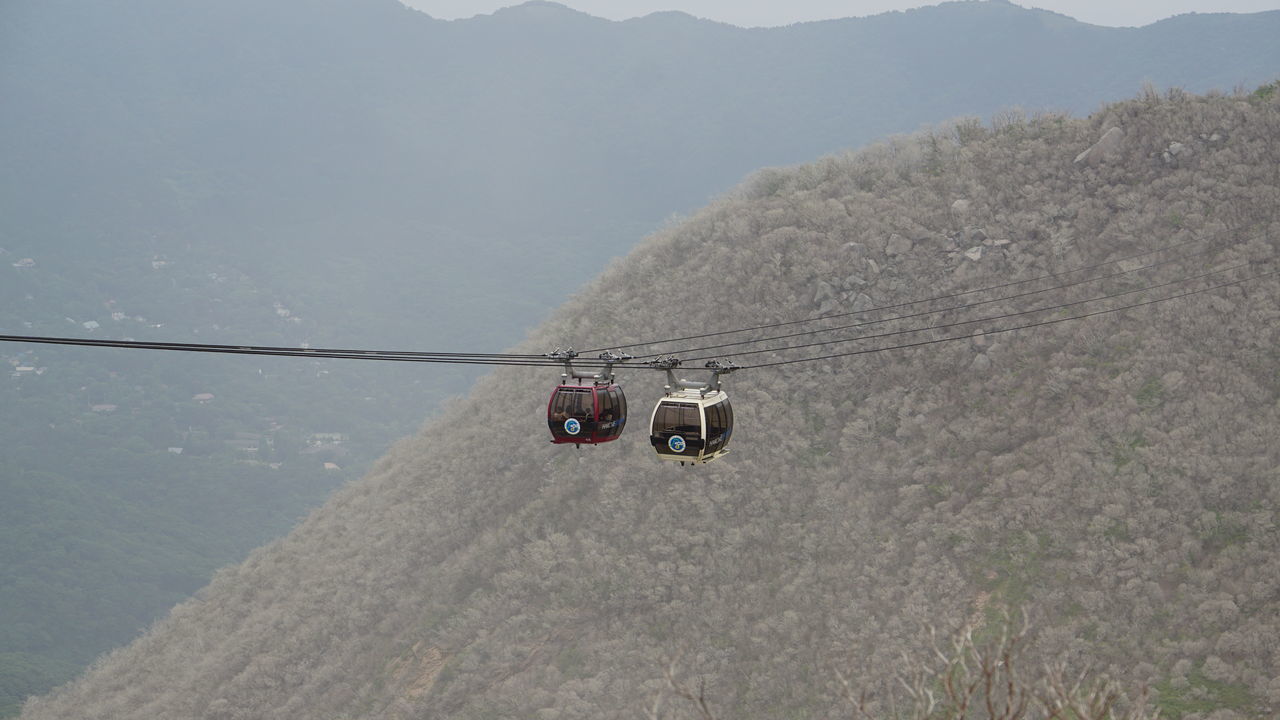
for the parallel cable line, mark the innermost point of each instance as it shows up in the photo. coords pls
(966, 306)
(544, 361)
(437, 358)
(1003, 316)
(204, 347)
(948, 296)
(982, 333)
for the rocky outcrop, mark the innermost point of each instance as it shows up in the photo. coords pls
(1107, 146)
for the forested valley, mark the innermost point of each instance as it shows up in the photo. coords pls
(1115, 475)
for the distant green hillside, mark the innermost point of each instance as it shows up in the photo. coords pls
(1116, 473)
(354, 173)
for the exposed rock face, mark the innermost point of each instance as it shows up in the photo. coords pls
(824, 291)
(1217, 137)
(1107, 146)
(898, 245)
(1175, 152)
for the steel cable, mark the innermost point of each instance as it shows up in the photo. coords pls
(923, 313)
(1018, 327)
(1003, 316)
(896, 306)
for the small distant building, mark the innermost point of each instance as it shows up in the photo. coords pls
(331, 466)
(321, 438)
(202, 398)
(91, 325)
(25, 263)
(103, 408)
(175, 450)
(245, 442)
(24, 369)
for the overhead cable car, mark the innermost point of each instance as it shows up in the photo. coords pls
(693, 421)
(587, 408)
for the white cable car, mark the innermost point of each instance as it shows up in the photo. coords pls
(693, 421)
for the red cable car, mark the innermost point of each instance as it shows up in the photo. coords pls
(586, 409)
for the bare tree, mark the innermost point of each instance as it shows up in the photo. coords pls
(681, 689)
(964, 679)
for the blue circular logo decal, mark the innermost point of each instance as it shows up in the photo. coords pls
(676, 443)
(572, 426)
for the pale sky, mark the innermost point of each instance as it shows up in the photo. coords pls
(753, 13)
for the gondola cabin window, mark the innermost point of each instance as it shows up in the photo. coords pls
(573, 402)
(613, 413)
(586, 414)
(719, 425)
(678, 418)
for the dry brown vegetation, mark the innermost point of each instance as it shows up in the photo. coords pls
(964, 678)
(1120, 473)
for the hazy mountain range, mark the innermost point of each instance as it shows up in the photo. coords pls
(356, 118)
(354, 173)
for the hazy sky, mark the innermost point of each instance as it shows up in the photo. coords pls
(749, 13)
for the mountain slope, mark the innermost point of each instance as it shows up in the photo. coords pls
(1117, 473)
(327, 172)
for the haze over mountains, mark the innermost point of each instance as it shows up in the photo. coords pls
(354, 173)
(758, 14)
(1118, 473)
(226, 116)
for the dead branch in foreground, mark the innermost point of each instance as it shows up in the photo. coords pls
(963, 680)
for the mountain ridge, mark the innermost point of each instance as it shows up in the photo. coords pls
(399, 48)
(548, 6)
